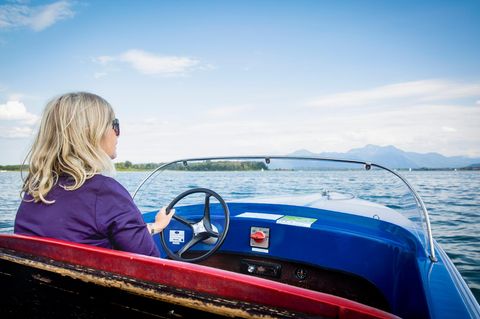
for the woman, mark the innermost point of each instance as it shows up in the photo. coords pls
(68, 194)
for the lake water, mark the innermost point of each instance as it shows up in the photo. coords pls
(452, 198)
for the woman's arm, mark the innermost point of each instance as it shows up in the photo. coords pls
(119, 219)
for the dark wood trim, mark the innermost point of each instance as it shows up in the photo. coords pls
(329, 281)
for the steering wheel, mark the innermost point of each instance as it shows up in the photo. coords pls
(203, 230)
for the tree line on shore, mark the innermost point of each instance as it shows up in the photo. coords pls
(211, 166)
(195, 166)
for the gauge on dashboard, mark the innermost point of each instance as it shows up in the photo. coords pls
(260, 268)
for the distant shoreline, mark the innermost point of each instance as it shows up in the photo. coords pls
(224, 165)
(16, 168)
(195, 166)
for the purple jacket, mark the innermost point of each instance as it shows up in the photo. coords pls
(100, 213)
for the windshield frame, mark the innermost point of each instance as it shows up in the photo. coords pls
(267, 158)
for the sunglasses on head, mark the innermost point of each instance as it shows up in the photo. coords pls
(116, 126)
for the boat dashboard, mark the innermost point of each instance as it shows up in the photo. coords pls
(357, 250)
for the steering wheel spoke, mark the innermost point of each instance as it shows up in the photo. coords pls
(183, 220)
(207, 223)
(195, 240)
(212, 233)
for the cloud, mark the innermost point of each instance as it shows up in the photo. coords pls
(151, 64)
(37, 18)
(98, 75)
(15, 132)
(448, 129)
(16, 111)
(406, 92)
(228, 111)
(104, 59)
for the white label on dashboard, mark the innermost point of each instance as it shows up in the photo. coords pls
(260, 215)
(296, 221)
(260, 250)
(177, 236)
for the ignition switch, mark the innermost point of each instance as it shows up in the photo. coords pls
(259, 237)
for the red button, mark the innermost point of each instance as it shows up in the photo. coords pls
(258, 236)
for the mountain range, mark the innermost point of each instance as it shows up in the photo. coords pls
(392, 157)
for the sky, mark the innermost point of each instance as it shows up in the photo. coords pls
(212, 78)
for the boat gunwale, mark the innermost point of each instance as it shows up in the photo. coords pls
(197, 278)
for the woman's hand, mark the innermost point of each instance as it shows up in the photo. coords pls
(162, 219)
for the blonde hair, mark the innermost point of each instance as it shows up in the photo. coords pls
(68, 142)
